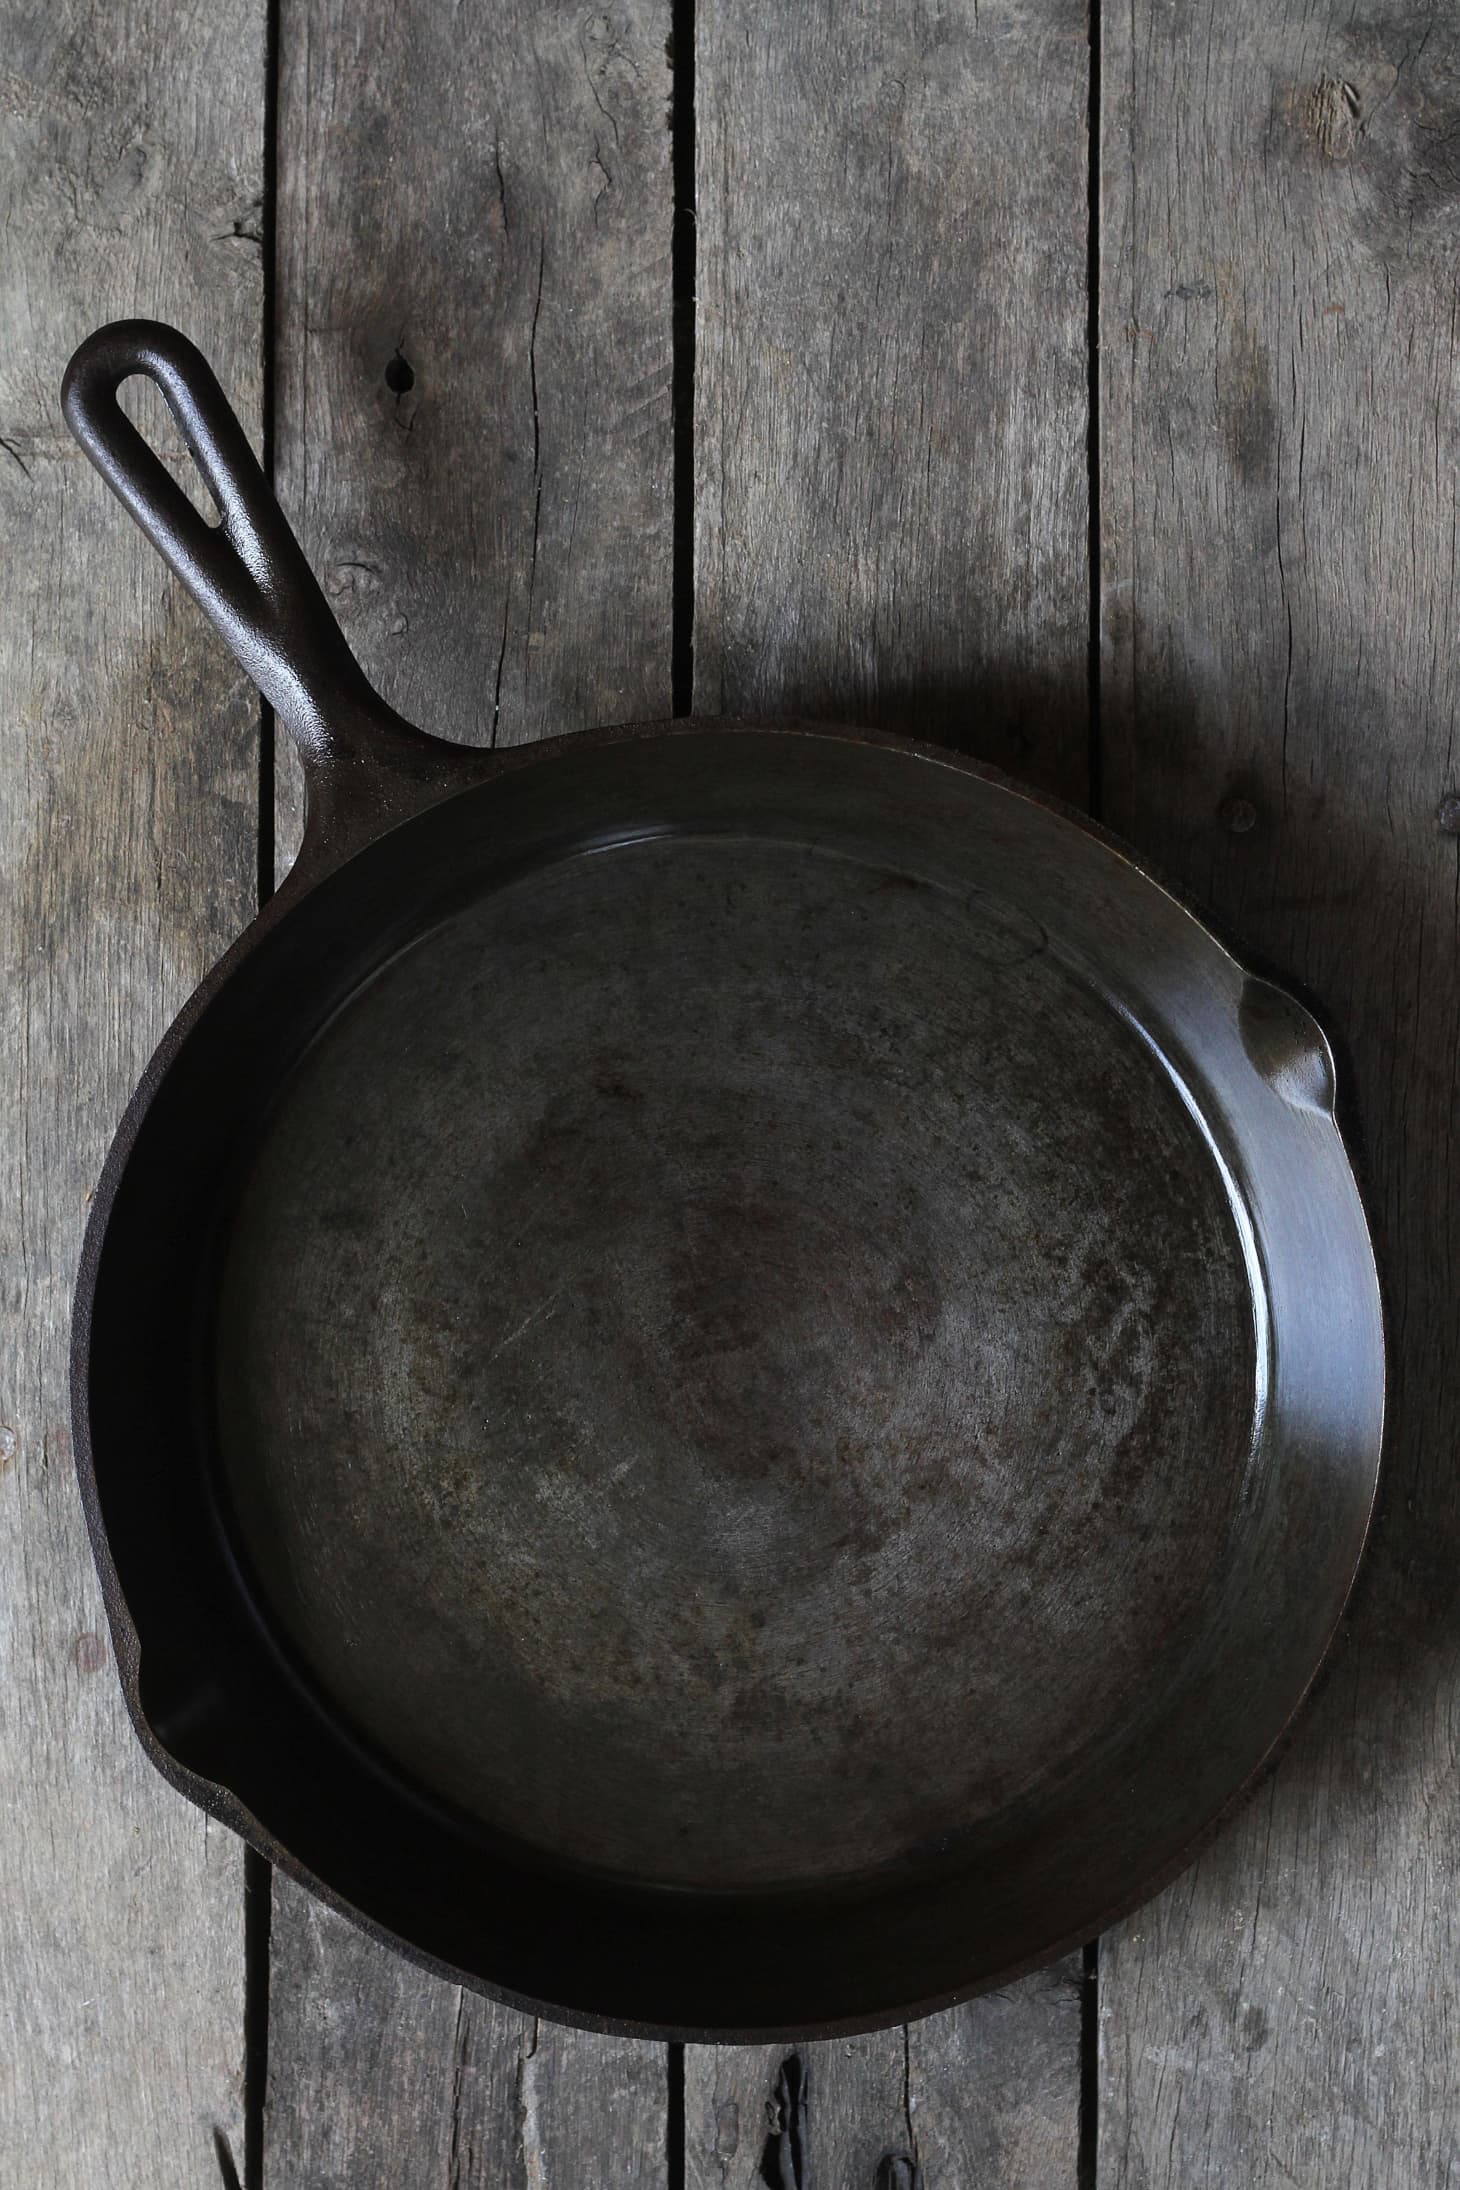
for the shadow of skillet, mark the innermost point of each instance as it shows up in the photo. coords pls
(1030, 724)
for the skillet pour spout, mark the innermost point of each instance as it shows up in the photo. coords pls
(727, 1376)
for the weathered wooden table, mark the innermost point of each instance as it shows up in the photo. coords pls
(1080, 392)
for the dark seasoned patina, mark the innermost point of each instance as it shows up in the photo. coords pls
(728, 1377)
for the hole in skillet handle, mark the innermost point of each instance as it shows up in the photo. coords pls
(146, 406)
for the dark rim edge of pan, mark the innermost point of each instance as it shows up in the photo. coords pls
(480, 768)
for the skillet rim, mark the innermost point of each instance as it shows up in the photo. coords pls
(332, 840)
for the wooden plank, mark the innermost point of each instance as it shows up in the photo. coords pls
(891, 384)
(986, 2095)
(377, 2077)
(891, 418)
(793, 2116)
(474, 433)
(1278, 362)
(474, 356)
(361, 2057)
(128, 817)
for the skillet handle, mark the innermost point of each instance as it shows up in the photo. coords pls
(249, 576)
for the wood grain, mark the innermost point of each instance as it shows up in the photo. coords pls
(891, 385)
(128, 807)
(986, 2095)
(891, 499)
(474, 436)
(379, 2077)
(1278, 356)
(474, 356)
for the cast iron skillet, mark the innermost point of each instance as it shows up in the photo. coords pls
(728, 1378)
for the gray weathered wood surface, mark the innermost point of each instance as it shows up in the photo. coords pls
(891, 502)
(378, 2075)
(1280, 437)
(891, 373)
(892, 526)
(985, 2096)
(128, 794)
(484, 199)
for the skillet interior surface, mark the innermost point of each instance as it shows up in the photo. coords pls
(734, 1366)
(795, 1341)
